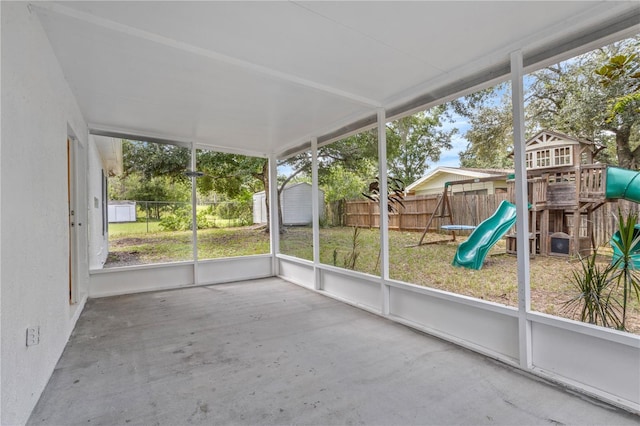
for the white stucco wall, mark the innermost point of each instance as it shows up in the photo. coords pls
(37, 110)
(98, 242)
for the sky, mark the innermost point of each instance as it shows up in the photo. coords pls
(450, 157)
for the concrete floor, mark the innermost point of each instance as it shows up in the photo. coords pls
(269, 352)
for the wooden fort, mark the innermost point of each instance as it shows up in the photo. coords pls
(564, 189)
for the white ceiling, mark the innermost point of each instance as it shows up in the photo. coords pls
(260, 77)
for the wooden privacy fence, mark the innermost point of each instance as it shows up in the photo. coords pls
(605, 222)
(465, 210)
(417, 210)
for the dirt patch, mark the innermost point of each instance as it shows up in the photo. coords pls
(122, 258)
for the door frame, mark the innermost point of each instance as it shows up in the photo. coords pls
(71, 216)
(77, 214)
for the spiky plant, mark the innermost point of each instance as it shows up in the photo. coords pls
(626, 265)
(594, 301)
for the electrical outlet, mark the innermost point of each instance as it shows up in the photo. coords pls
(33, 335)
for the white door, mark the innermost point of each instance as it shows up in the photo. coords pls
(77, 212)
(71, 209)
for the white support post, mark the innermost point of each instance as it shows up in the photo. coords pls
(522, 210)
(384, 216)
(315, 210)
(274, 226)
(194, 216)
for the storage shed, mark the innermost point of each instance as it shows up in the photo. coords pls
(295, 202)
(121, 211)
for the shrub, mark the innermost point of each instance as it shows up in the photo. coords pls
(181, 220)
(238, 210)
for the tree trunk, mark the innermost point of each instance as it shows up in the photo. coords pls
(623, 150)
(264, 177)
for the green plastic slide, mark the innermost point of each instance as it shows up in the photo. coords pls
(623, 183)
(471, 253)
(635, 250)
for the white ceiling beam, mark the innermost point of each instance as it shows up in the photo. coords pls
(133, 134)
(195, 50)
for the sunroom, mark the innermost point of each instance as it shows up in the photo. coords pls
(269, 81)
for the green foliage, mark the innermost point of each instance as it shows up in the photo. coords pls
(158, 190)
(490, 138)
(593, 97)
(466, 106)
(230, 174)
(622, 68)
(357, 153)
(574, 98)
(626, 275)
(181, 220)
(594, 303)
(238, 210)
(413, 141)
(154, 159)
(341, 184)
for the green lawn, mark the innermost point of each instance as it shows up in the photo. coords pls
(155, 247)
(427, 265)
(116, 229)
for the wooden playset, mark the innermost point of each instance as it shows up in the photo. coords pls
(564, 190)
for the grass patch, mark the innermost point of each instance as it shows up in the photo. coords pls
(427, 265)
(132, 228)
(129, 249)
(153, 226)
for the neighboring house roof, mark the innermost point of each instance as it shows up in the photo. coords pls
(458, 171)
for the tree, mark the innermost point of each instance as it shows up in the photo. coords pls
(232, 175)
(159, 189)
(591, 97)
(350, 162)
(574, 97)
(414, 140)
(342, 184)
(490, 136)
(155, 159)
(152, 172)
(622, 67)
(490, 139)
